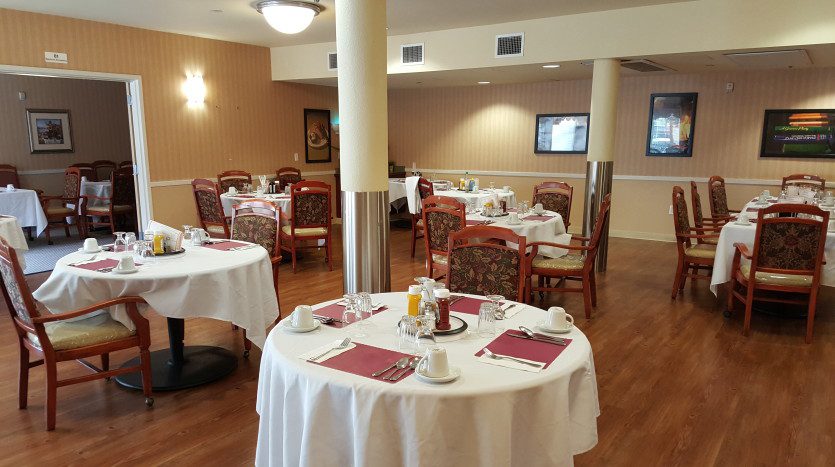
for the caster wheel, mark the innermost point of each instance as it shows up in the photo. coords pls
(726, 314)
(149, 401)
(246, 353)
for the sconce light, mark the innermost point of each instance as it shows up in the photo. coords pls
(195, 90)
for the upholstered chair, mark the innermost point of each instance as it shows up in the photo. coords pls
(804, 181)
(236, 178)
(57, 208)
(104, 169)
(288, 175)
(209, 208)
(555, 196)
(719, 199)
(119, 207)
(692, 258)
(309, 221)
(425, 190)
(441, 215)
(487, 260)
(699, 220)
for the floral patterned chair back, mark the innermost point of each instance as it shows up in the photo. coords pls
(236, 178)
(124, 192)
(8, 174)
(804, 181)
(790, 239)
(555, 196)
(425, 188)
(718, 197)
(481, 263)
(287, 175)
(311, 204)
(257, 222)
(19, 299)
(681, 220)
(209, 208)
(442, 216)
(696, 200)
(72, 183)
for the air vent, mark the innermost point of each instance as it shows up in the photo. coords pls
(644, 66)
(510, 45)
(331, 60)
(771, 59)
(411, 54)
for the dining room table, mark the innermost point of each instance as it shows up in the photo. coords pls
(224, 280)
(12, 233)
(25, 206)
(228, 201)
(547, 226)
(496, 413)
(398, 194)
(97, 192)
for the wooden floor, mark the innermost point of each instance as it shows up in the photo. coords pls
(679, 384)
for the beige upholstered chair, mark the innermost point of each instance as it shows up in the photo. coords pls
(555, 196)
(691, 258)
(718, 198)
(57, 208)
(236, 178)
(804, 181)
(442, 216)
(104, 169)
(425, 190)
(699, 220)
(209, 208)
(309, 220)
(119, 207)
(288, 175)
(481, 262)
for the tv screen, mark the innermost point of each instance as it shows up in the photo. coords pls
(798, 133)
(561, 134)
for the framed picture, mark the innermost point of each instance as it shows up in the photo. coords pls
(49, 130)
(561, 134)
(317, 135)
(802, 133)
(672, 119)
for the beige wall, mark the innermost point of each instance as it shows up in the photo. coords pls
(490, 128)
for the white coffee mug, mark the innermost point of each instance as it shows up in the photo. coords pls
(198, 236)
(558, 319)
(434, 363)
(233, 190)
(513, 218)
(302, 317)
(126, 264)
(10, 187)
(506, 188)
(537, 208)
(91, 245)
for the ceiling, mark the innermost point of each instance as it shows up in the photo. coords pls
(237, 21)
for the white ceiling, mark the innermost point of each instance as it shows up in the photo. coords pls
(239, 22)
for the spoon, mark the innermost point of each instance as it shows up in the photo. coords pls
(412, 365)
(534, 335)
(506, 357)
(378, 373)
(401, 364)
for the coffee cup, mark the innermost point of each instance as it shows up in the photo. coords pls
(513, 218)
(302, 317)
(435, 363)
(91, 245)
(763, 198)
(537, 208)
(10, 187)
(557, 318)
(233, 190)
(126, 264)
(506, 189)
(742, 218)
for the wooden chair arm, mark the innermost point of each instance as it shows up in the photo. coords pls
(535, 247)
(95, 307)
(581, 238)
(743, 250)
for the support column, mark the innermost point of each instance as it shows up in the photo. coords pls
(363, 131)
(601, 155)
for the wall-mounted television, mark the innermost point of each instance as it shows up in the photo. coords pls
(801, 133)
(561, 134)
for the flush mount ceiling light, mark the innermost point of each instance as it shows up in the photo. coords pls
(554, 65)
(288, 16)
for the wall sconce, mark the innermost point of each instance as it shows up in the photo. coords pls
(195, 90)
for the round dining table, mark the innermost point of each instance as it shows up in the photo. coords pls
(205, 281)
(313, 415)
(25, 206)
(229, 201)
(11, 232)
(545, 227)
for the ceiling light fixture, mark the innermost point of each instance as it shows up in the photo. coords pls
(288, 16)
(484, 82)
(555, 65)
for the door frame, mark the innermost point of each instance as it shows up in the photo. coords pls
(136, 117)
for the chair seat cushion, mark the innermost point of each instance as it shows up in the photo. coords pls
(306, 231)
(711, 241)
(104, 210)
(701, 251)
(215, 229)
(439, 259)
(570, 262)
(770, 278)
(89, 331)
(59, 211)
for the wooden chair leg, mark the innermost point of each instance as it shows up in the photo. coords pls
(66, 228)
(293, 256)
(593, 286)
(105, 361)
(684, 273)
(587, 297)
(730, 305)
(749, 305)
(677, 280)
(414, 236)
(247, 345)
(810, 317)
(51, 393)
(330, 257)
(147, 386)
(48, 236)
(23, 378)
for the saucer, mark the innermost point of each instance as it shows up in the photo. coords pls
(125, 271)
(541, 326)
(519, 222)
(454, 373)
(82, 250)
(288, 327)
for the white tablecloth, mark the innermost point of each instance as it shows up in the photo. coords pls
(491, 416)
(735, 233)
(98, 189)
(25, 206)
(397, 194)
(229, 202)
(11, 232)
(234, 286)
(552, 230)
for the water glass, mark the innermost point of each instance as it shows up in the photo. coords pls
(130, 241)
(497, 301)
(487, 320)
(119, 244)
(406, 334)
(425, 336)
(186, 232)
(365, 307)
(352, 314)
(144, 251)
(522, 207)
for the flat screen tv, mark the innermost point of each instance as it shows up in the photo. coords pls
(803, 133)
(561, 134)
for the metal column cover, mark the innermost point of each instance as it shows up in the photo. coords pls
(598, 185)
(365, 240)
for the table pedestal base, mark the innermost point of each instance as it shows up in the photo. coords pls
(203, 364)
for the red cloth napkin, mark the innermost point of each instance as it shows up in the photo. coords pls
(525, 348)
(538, 218)
(225, 246)
(467, 305)
(104, 263)
(335, 310)
(364, 360)
(476, 222)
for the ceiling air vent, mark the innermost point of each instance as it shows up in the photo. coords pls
(644, 66)
(411, 54)
(510, 45)
(331, 60)
(771, 59)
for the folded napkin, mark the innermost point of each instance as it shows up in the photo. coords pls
(226, 245)
(412, 195)
(525, 349)
(334, 310)
(324, 348)
(360, 359)
(538, 218)
(508, 363)
(467, 305)
(108, 263)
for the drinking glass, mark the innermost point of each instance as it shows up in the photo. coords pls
(497, 301)
(119, 244)
(145, 252)
(352, 314)
(487, 320)
(406, 333)
(365, 309)
(492, 186)
(186, 232)
(424, 336)
(522, 207)
(130, 241)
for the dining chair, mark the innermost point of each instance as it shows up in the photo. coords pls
(804, 181)
(56, 215)
(86, 170)
(8, 175)
(441, 216)
(103, 169)
(121, 204)
(309, 219)
(699, 220)
(425, 190)
(209, 208)
(236, 178)
(257, 222)
(785, 263)
(72, 335)
(481, 262)
(691, 258)
(126, 164)
(571, 267)
(287, 175)
(555, 196)
(718, 198)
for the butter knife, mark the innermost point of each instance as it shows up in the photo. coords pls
(547, 341)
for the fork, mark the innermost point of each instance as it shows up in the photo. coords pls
(341, 346)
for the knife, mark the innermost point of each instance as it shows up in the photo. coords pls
(547, 341)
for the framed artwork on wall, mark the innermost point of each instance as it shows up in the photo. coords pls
(672, 120)
(317, 135)
(561, 134)
(799, 134)
(49, 131)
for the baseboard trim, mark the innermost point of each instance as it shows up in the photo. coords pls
(656, 237)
